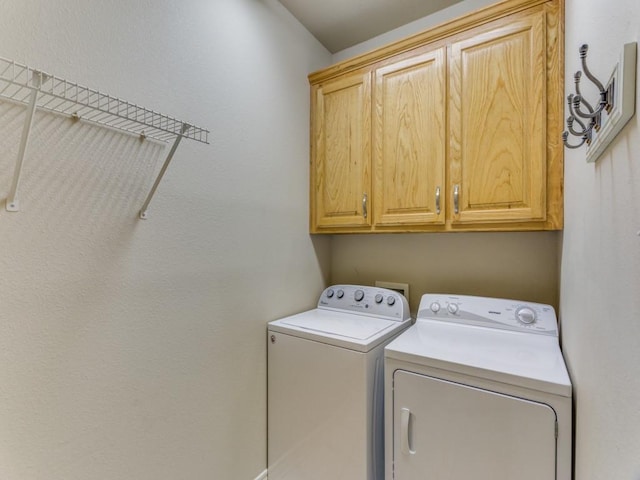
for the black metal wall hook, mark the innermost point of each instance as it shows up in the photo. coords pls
(577, 100)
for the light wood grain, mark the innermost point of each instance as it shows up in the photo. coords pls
(498, 115)
(555, 114)
(342, 162)
(410, 140)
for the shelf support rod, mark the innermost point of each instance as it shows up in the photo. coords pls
(183, 130)
(12, 204)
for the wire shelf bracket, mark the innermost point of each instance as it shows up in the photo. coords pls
(145, 205)
(39, 90)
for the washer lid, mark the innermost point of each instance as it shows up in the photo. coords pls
(515, 358)
(356, 332)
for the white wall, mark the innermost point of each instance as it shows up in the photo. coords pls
(444, 15)
(600, 286)
(135, 349)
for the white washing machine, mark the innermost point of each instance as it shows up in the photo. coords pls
(326, 385)
(478, 389)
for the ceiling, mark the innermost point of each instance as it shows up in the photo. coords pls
(339, 24)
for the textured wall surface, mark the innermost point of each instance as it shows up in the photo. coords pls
(600, 286)
(135, 349)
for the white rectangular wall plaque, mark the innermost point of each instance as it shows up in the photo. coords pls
(624, 102)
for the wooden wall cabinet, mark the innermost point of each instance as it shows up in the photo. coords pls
(454, 129)
(342, 146)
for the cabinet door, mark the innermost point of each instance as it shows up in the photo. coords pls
(409, 141)
(445, 430)
(498, 124)
(341, 161)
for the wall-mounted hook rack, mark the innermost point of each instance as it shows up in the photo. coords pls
(597, 125)
(25, 85)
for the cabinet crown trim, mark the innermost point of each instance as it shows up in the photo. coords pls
(438, 32)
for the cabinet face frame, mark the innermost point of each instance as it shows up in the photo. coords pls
(409, 140)
(341, 160)
(498, 154)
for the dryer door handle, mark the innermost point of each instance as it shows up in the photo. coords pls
(405, 431)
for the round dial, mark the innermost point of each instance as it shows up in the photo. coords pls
(526, 315)
(359, 295)
(452, 308)
(340, 293)
(435, 307)
(379, 298)
(391, 300)
(330, 293)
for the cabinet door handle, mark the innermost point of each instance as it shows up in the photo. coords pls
(456, 199)
(405, 419)
(364, 205)
(438, 200)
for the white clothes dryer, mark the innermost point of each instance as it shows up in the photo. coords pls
(326, 385)
(478, 389)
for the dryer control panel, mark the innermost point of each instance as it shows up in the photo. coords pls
(365, 300)
(490, 312)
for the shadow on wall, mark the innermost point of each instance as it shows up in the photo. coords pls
(518, 265)
(80, 191)
(322, 247)
(74, 173)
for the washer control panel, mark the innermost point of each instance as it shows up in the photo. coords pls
(490, 312)
(365, 300)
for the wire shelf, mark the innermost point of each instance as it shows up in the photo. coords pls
(37, 89)
(58, 95)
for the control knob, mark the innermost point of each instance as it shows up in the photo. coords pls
(359, 295)
(525, 315)
(340, 293)
(330, 293)
(435, 307)
(391, 300)
(379, 298)
(452, 308)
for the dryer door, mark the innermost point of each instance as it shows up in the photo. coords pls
(445, 430)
